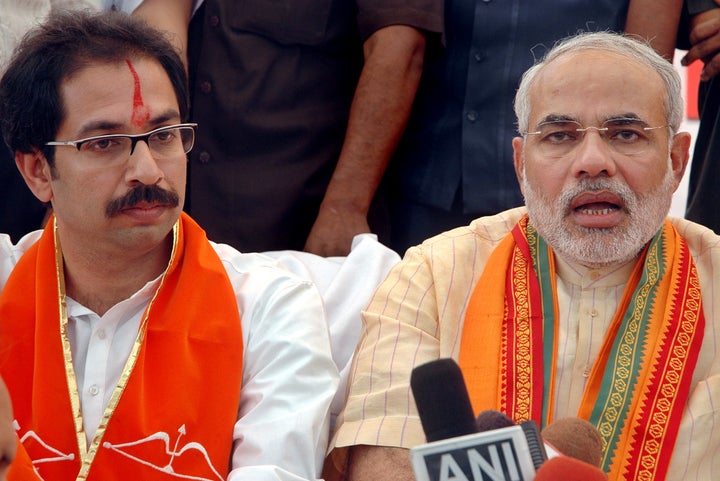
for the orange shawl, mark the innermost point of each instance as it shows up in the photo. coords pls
(177, 400)
(637, 389)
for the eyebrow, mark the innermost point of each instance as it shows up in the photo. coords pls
(105, 125)
(622, 117)
(625, 118)
(557, 118)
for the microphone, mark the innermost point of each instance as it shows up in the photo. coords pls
(490, 419)
(455, 449)
(576, 438)
(569, 436)
(565, 468)
(442, 401)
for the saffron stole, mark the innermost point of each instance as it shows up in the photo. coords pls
(638, 386)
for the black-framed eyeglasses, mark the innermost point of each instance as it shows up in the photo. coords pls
(165, 142)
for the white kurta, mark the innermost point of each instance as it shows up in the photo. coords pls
(289, 377)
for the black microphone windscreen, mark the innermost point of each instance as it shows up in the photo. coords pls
(442, 400)
(491, 419)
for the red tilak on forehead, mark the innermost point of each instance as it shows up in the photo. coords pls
(140, 113)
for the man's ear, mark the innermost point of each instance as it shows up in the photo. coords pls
(37, 173)
(679, 155)
(518, 144)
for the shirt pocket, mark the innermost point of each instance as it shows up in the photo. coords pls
(303, 22)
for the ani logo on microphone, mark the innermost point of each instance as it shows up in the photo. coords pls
(498, 455)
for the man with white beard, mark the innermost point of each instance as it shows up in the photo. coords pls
(586, 302)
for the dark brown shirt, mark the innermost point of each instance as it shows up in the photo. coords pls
(272, 83)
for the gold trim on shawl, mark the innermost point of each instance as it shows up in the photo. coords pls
(87, 454)
(67, 351)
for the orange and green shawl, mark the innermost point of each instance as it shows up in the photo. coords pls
(639, 384)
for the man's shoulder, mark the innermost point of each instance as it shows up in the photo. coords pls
(487, 231)
(264, 290)
(701, 240)
(11, 253)
(252, 268)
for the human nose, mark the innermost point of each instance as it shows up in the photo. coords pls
(142, 166)
(593, 156)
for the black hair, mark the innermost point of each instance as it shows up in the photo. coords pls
(31, 109)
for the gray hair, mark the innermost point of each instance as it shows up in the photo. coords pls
(631, 48)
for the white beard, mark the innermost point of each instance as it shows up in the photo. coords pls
(594, 247)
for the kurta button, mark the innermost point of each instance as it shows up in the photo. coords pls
(472, 116)
(479, 56)
(94, 390)
(204, 157)
(205, 87)
(101, 334)
(214, 21)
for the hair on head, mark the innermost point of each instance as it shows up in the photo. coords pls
(31, 108)
(630, 47)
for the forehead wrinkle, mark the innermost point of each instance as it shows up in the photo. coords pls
(554, 78)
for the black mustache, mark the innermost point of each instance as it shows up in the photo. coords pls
(144, 193)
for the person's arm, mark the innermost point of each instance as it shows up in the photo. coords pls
(289, 379)
(705, 39)
(371, 463)
(380, 110)
(655, 21)
(400, 331)
(171, 16)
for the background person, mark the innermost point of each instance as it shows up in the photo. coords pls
(301, 106)
(703, 24)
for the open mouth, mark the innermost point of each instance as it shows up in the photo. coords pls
(597, 203)
(597, 208)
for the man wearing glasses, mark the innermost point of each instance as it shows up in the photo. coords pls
(132, 347)
(587, 302)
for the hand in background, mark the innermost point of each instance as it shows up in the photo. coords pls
(705, 41)
(333, 231)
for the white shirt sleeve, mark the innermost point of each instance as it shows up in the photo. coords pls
(346, 285)
(10, 254)
(289, 377)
